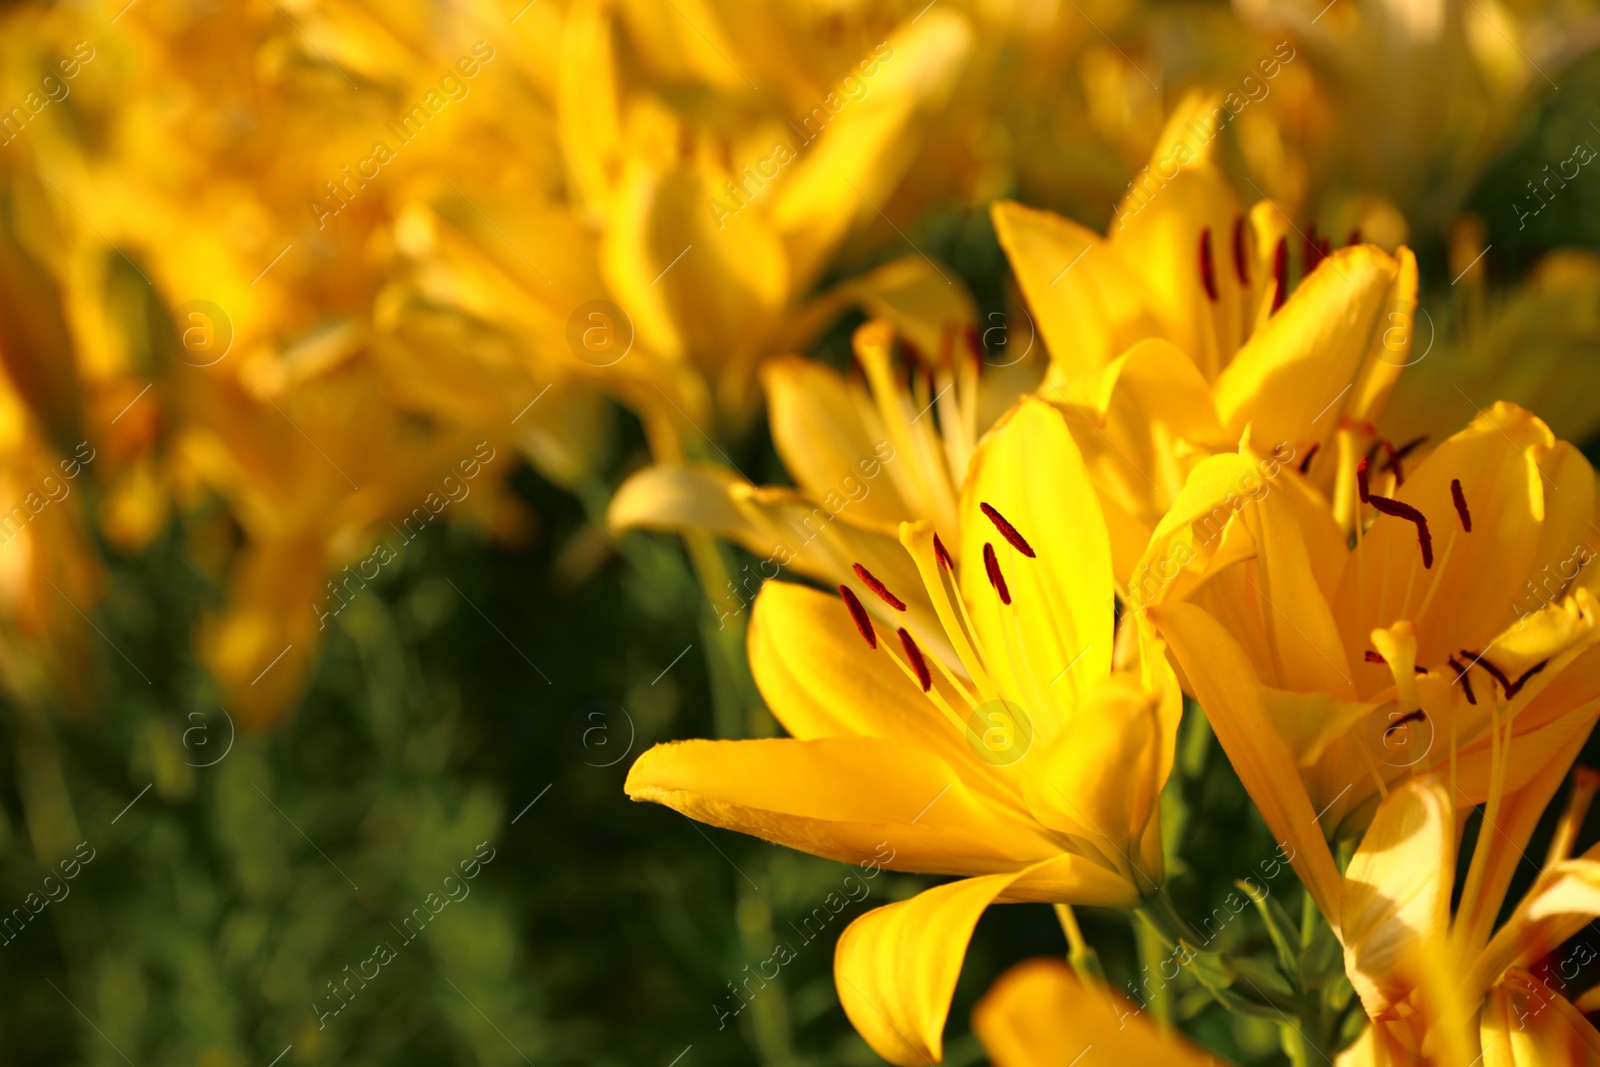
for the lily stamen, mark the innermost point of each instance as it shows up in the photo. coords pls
(1522, 681)
(1241, 254)
(1415, 716)
(1397, 509)
(1208, 266)
(1512, 688)
(1464, 678)
(1280, 273)
(859, 616)
(871, 581)
(1305, 464)
(1394, 460)
(943, 555)
(1461, 504)
(918, 664)
(1008, 531)
(1412, 515)
(992, 566)
(1314, 253)
(1406, 449)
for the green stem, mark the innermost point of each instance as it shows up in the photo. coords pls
(1299, 1049)
(1153, 952)
(735, 703)
(1084, 959)
(1163, 918)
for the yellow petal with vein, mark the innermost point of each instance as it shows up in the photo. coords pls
(1301, 365)
(831, 798)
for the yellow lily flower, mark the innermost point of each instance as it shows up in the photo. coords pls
(1125, 330)
(264, 357)
(1331, 672)
(711, 224)
(1040, 1014)
(867, 453)
(1026, 764)
(1435, 992)
(1177, 330)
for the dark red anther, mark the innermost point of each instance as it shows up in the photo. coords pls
(974, 341)
(1208, 266)
(1516, 687)
(1241, 251)
(1324, 248)
(1511, 688)
(1412, 515)
(1008, 531)
(1464, 678)
(1361, 480)
(996, 579)
(1355, 236)
(1313, 251)
(1460, 499)
(918, 664)
(871, 582)
(1375, 657)
(1412, 716)
(947, 348)
(1305, 464)
(1280, 273)
(943, 556)
(913, 354)
(1409, 447)
(1394, 460)
(1499, 675)
(858, 614)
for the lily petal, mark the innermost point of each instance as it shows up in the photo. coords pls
(831, 798)
(1563, 902)
(896, 966)
(1227, 687)
(1307, 355)
(1039, 1014)
(1085, 316)
(1527, 1024)
(1396, 898)
(821, 680)
(1030, 472)
(830, 438)
(1100, 779)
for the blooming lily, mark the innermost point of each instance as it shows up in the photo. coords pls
(1175, 332)
(1433, 988)
(1026, 765)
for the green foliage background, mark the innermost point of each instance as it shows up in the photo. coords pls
(222, 901)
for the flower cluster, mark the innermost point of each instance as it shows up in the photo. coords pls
(279, 281)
